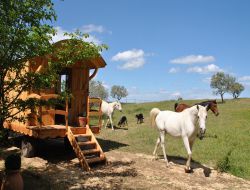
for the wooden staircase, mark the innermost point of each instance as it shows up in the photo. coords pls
(82, 139)
(86, 147)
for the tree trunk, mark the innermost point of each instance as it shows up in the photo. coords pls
(4, 133)
(222, 100)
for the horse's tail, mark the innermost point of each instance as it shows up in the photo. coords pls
(175, 106)
(153, 113)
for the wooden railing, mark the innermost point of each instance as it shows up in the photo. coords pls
(97, 112)
(52, 112)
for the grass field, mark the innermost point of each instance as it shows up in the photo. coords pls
(226, 146)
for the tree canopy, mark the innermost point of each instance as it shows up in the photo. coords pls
(118, 92)
(97, 90)
(24, 33)
(236, 89)
(223, 83)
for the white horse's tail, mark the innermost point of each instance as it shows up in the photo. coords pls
(153, 113)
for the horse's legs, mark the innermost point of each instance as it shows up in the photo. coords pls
(111, 122)
(191, 143)
(187, 146)
(156, 146)
(107, 123)
(162, 136)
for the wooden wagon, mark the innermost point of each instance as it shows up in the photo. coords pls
(54, 122)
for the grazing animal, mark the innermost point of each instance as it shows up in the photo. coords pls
(123, 121)
(139, 117)
(181, 124)
(108, 109)
(211, 105)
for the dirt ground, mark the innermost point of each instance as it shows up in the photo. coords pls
(58, 169)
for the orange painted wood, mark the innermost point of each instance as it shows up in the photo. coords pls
(50, 131)
(83, 162)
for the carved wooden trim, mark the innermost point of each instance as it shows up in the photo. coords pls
(93, 74)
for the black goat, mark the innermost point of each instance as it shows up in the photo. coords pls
(123, 121)
(140, 118)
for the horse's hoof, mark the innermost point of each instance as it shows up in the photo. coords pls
(171, 163)
(188, 170)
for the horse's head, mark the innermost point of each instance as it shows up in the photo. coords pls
(213, 107)
(118, 106)
(202, 116)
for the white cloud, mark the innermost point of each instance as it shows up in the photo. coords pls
(207, 80)
(174, 70)
(191, 59)
(163, 91)
(133, 64)
(92, 28)
(244, 78)
(93, 39)
(176, 94)
(60, 36)
(204, 70)
(128, 55)
(133, 59)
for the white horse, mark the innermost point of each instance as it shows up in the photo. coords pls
(182, 124)
(108, 109)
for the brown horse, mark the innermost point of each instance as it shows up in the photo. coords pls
(211, 105)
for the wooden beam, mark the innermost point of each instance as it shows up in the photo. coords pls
(93, 74)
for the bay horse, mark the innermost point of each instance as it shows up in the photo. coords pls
(108, 109)
(179, 124)
(211, 105)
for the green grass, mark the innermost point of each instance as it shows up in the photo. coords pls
(226, 147)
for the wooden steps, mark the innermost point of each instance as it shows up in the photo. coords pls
(86, 147)
(95, 160)
(91, 151)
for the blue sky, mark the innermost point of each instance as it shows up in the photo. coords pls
(163, 49)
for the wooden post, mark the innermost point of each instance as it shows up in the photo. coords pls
(40, 116)
(67, 114)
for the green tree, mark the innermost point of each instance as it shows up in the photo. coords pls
(97, 90)
(221, 83)
(118, 92)
(25, 33)
(236, 89)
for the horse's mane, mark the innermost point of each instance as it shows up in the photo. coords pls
(175, 105)
(205, 103)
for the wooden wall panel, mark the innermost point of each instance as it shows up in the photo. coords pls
(80, 93)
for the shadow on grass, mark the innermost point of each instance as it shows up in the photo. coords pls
(108, 145)
(115, 127)
(194, 164)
